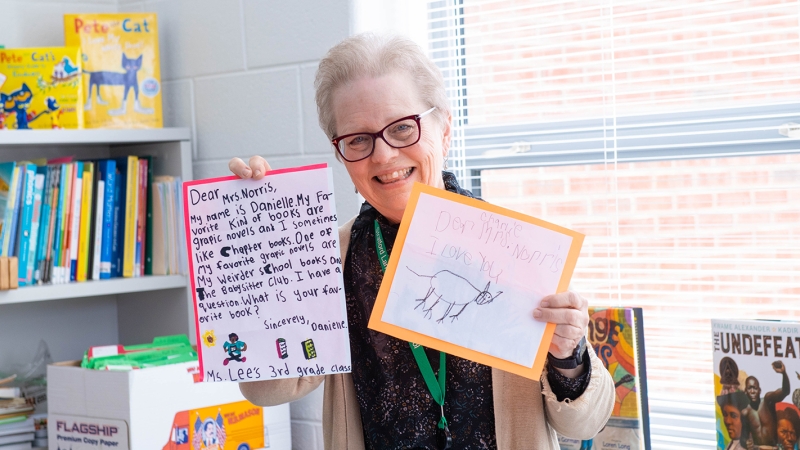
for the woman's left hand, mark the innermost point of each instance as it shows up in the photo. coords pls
(570, 312)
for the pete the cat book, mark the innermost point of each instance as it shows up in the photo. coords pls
(121, 68)
(40, 88)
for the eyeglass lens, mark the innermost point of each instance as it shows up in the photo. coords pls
(398, 135)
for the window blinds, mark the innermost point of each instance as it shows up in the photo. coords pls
(653, 128)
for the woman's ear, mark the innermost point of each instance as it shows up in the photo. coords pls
(447, 134)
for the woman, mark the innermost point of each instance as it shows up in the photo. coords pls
(787, 429)
(732, 405)
(383, 104)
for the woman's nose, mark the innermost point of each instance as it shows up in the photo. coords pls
(383, 152)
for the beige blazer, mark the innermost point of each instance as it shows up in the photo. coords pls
(527, 413)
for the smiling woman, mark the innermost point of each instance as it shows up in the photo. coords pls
(382, 103)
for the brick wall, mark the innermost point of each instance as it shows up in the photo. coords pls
(548, 60)
(708, 238)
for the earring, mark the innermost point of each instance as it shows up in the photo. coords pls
(444, 165)
(355, 189)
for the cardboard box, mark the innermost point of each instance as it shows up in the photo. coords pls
(156, 408)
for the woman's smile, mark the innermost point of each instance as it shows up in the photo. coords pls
(395, 176)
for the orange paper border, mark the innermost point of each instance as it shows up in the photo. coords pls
(376, 323)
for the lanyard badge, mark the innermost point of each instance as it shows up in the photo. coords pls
(435, 384)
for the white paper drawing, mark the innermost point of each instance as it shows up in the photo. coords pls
(472, 277)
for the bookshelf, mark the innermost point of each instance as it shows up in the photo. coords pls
(91, 289)
(71, 317)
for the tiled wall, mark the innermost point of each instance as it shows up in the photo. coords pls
(240, 74)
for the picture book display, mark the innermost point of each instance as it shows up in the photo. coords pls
(756, 383)
(121, 68)
(40, 88)
(465, 276)
(617, 337)
(266, 277)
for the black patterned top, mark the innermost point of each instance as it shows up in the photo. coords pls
(397, 411)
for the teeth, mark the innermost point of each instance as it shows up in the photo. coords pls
(397, 174)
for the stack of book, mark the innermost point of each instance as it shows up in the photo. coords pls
(65, 221)
(17, 430)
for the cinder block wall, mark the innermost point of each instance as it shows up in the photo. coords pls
(240, 74)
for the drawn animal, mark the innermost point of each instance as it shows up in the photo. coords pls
(17, 102)
(64, 70)
(129, 80)
(443, 280)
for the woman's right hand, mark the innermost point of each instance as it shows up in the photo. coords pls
(255, 168)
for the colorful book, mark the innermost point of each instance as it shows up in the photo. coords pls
(131, 212)
(95, 234)
(44, 222)
(148, 237)
(38, 193)
(47, 250)
(42, 88)
(141, 218)
(755, 367)
(25, 222)
(75, 222)
(86, 221)
(617, 336)
(172, 221)
(8, 206)
(128, 44)
(61, 259)
(108, 170)
(159, 230)
(11, 211)
(6, 173)
(118, 228)
(96, 243)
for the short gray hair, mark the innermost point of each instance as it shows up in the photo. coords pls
(373, 56)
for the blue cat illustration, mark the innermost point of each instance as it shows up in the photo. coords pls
(17, 102)
(128, 80)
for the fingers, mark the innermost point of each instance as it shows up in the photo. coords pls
(239, 168)
(259, 166)
(569, 311)
(574, 317)
(567, 299)
(255, 168)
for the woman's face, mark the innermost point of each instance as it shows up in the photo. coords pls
(733, 421)
(385, 178)
(787, 434)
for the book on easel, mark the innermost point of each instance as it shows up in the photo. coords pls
(617, 337)
(756, 372)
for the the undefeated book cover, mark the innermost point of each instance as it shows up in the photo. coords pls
(756, 383)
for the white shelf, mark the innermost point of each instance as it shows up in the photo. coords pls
(91, 288)
(94, 136)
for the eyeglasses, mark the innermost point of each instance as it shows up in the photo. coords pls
(401, 133)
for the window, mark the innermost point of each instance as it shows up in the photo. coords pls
(653, 128)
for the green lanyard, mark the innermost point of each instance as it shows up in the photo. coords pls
(435, 387)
